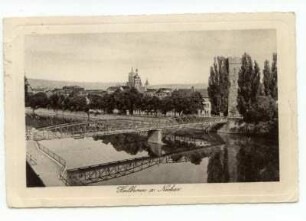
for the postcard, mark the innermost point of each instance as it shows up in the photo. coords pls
(150, 110)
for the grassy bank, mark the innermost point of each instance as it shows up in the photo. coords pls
(37, 121)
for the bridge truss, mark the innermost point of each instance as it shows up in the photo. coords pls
(104, 127)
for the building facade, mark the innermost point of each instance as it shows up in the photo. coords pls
(161, 93)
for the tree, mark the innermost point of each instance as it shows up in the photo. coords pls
(267, 78)
(26, 91)
(270, 78)
(150, 104)
(213, 90)
(55, 101)
(224, 84)
(132, 99)
(145, 100)
(218, 88)
(178, 102)
(120, 101)
(274, 86)
(265, 109)
(186, 102)
(39, 100)
(166, 105)
(129, 99)
(108, 103)
(79, 103)
(96, 102)
(154, 104)
(196, 102)
(249, 81)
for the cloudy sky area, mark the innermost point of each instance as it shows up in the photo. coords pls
(162, 57)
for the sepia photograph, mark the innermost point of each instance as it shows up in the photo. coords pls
(151, 108)
(125, 108)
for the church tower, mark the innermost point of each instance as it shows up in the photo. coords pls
(130, 82)
(234, 65)
(137, 81)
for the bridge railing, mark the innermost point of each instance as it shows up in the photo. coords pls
(58, 159)
(51, 154)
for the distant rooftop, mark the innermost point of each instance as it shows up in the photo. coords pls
(203, 92)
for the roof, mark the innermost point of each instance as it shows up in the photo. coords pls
(113, 88)
(95, 90)
(203, 92)
(136, 75)
(185, 91)
(163, 89)
(125, 87)
(151, 90)
(72, 87)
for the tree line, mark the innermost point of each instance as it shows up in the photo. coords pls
(257, 99)
(126, 101)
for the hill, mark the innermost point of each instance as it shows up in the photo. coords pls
(49, 84)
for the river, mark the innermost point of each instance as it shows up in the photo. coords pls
(233, 158)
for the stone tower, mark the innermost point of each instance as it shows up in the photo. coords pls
(234, 65)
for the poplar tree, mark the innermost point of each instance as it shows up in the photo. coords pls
(267, 78)
(249, 81)
(270, 78)
(218, 86)
(274, 87)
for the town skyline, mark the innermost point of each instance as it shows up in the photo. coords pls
(168, 57)
(52, 84)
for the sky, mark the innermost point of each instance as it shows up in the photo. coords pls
(161, 57)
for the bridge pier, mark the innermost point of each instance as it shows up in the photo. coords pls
(155, 136)
(156, 149)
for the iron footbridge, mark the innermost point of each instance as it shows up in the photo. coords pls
(104, 127)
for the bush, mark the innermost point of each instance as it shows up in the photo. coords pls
(265, 109)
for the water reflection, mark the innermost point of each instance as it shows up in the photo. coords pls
(252, 159)
(217, 169)
(235, 159)
(129, 143)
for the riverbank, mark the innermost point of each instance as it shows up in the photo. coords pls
(267, 129)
